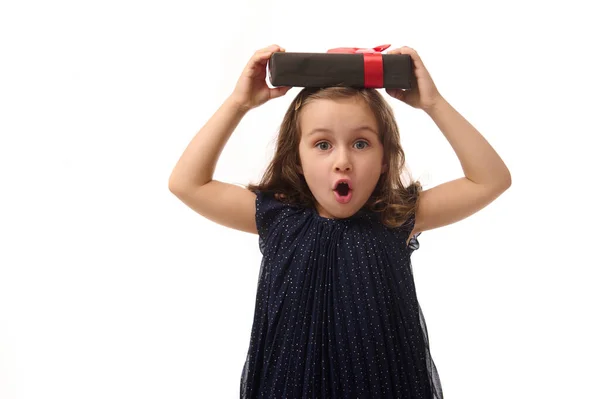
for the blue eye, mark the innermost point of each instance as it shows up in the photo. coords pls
(362, 141)
(366, 144)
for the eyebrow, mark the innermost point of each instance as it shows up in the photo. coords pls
(324, 130)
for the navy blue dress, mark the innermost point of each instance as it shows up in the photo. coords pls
(336, 312)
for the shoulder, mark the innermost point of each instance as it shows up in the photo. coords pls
(271, 207)
(275, 218)
(408, 231)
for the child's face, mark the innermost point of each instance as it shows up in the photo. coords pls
(344, 151)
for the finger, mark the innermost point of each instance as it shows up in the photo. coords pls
(418, 63)
(262, 56)
(258, 62)
(272, 47)
(269, 50)
(396, 93)
(279, 91)
(399, 50)
(394, 51)
(414, 55)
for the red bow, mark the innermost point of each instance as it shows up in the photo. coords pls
(353, 50)
(373, 62)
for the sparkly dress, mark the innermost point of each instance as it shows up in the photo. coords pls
(336, 312)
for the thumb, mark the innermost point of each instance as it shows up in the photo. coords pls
(279, 91)
(396, 93)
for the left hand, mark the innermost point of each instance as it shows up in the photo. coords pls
(425, 96)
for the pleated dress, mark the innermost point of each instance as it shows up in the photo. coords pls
(336, 312)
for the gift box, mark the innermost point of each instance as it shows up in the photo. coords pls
(344, 66)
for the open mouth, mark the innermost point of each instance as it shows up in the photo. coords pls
(343, 193)
(342, 189)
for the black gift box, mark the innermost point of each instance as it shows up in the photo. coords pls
(335, 69)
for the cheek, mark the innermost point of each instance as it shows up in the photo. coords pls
(314, 171)
(371, 168)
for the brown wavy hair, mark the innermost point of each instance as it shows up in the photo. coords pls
(394, 202)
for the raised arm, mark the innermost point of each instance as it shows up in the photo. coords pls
(486, 175)
(196, 165)
(192, 178)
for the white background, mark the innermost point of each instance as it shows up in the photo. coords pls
(110, 287)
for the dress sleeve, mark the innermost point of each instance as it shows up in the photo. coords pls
(268, 217)
(408, 227)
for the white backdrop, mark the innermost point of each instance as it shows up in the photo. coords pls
(110, 287)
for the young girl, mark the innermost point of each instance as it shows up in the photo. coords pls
(336, 313)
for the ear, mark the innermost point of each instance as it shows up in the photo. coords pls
(384, 168)
(299, 169)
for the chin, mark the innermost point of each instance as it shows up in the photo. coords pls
(343, 211)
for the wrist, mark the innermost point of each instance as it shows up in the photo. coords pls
(237, 104)
(436, 106)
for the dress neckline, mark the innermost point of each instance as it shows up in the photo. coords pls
(360, 214)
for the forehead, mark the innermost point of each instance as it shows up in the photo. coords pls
(336, 115)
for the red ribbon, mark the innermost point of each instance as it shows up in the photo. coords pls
(373, 62)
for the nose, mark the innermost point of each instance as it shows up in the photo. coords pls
(342, 162)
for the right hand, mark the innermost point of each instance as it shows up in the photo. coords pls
(251, 89)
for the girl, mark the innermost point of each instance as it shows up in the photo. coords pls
(336, 313)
